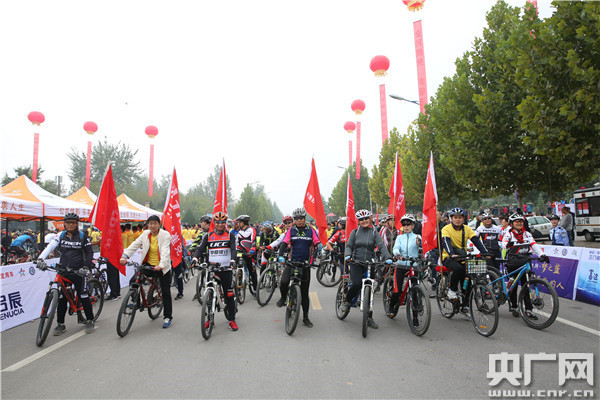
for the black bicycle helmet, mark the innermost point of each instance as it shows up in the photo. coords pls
(456, 211)
(244, 218)
(71, 216)
(206, 219)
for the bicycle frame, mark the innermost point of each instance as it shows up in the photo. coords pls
(214, 282)
(63, 285)
(367, 282)
(138, 285)
(519, 272)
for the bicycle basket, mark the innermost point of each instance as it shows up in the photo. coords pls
(476, 266)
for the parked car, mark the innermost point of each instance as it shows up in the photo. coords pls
(473, 222)
(539, 226)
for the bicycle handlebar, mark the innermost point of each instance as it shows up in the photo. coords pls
(83, 271)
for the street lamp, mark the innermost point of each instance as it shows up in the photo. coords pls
(396, 97)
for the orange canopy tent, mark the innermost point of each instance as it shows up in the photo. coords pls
(126, 201)
(85, 196)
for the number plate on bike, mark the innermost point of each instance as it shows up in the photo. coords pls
(476, 266)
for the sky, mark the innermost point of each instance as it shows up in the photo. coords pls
(264, 85)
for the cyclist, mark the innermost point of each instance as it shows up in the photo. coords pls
(246, 243)
(338, 239)
(268, 235)
(75, 253)
(204, 225)
(20, 245)
(490, 236)
(156, 252)
(558, 234)
(519, 244)
(406, 245)
(301, 239)
(221, 248)
(360, 246)
(454, 243)
(389, 233)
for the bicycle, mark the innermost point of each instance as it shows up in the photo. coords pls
(59, 285)
(200, 283)
(293, 301)
(414, 295)
(100, 273)
(364, 299)
(539, 292)
(214, 298)
(140, 298)
(242, 279)
(328, 269)
(483, 307)
(268, 282)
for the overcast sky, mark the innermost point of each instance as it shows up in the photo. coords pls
(265, 85)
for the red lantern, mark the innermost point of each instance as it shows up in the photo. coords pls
(36, 117)
(151, 131)
(358, 106)
(349, 126)
(413, 5)
(380, 65)
(90, 127)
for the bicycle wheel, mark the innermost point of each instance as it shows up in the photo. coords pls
(129, 306)
(366, 308)
(484, 309)
(155, 302)
(418, 310)
(186, 275)
(207, 316)
(544, 301)
(340, 297)
(240, 285)
(200, 285)
(47, 316)
(292, 311)
(446, 306)
(266, 286)
(96, 296)
(496, 286)
(388, 289)
(328, 274)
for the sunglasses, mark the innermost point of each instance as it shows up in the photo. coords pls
(296, 218)
(288, 222)
(363, 219)
(406, 223)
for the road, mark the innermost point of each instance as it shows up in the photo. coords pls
(331, 360)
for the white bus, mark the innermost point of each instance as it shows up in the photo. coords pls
(587, 213)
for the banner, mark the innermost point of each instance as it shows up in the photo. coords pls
(351, 221)
(358, 150)
(151, 172)
(588, 284)
(350, 153)
(397, 208)
(430, 210)
(313, 203)
(420, 54)
(383, 104)
(87, 164)
(561, 271)
(220, 203)
(36, 152)
(171, 220)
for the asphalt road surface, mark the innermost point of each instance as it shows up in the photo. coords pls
(331, 360)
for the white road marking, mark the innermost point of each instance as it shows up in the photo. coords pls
(314, 301)
(42, 353)
(574, 324)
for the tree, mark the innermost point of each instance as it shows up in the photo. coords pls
(124, 165)
(559, 69)
(360, 191)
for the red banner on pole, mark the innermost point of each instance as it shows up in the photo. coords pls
(313, 203)
(171, 220)
(220, 203)
(430, 200)
(384, 124)
(421, 76)
(151, 172)
(351, 221)
(105, 216)
(87, 164)
(350, 153)
(36, 146)
(358, 150)
(397, 207)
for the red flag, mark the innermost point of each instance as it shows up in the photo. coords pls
(397, 207)
(105, 216)
(351, 221)
(430, 210)
(221, 196)
(171, 220)
(314, 204)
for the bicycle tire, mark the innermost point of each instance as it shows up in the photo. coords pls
(539, 303)
(388, 289)
(127, 311)
(96, 294)
(339, 300)
(422, 308)
(497, 286)
(186, 275)
(327, 274)
(46, 316)
(366, 305)
(446, 306)
(207, 314)
(292, 311)
(240, 285)
(483, 308)
(266, 286)
(200, 286)
(155, 302)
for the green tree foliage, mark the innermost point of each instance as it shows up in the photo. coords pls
(360, 191)
(255, 203)
(559, 70)
(48, 184)
(124, 165)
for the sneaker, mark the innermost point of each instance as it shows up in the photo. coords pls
(307, 322)
(530, 315)
(179, 296)
(371, 323)
(514, 311)
(89, 326)
(59, 330)
(281, 302)
(345, 307)
(167, 323)
(451, 295)
(465, 310)
(233, 326)
(112, 297)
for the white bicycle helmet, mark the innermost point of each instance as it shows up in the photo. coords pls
(408, 217)
(299, 213)
(515, 217)
(363, 214)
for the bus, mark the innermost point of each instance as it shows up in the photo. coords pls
(587, 213)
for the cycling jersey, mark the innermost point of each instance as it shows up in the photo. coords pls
(75, 252)
(489, 236)
(362, 243)
(246, 240)
(20, 241)
(221, 247)
(389, 236)
(301, 241)
(512, 238)
(338, 237)
(452, 238)
(406, 246)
